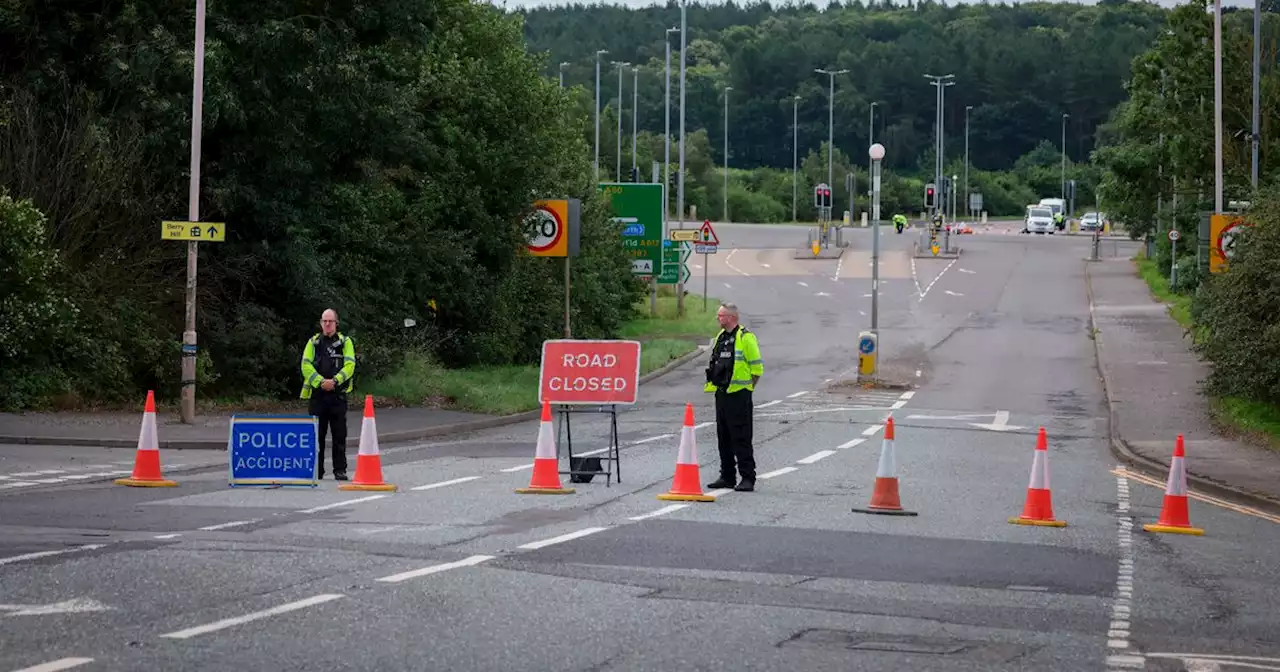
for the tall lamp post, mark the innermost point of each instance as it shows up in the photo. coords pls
(635, 109)
(684, 30)
(725, 211)
(968, 207)
(871, 139)
(877, 154)
(940, 81)
(617, 176)
(1064, 155)
(597, 161)
(1217, 106)
(831, 117)
(666, 137)
(795, 153)
(188, 411)
(563, 65)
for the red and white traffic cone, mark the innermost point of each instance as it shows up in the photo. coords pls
(368, 460)
(146, 461)
(1038, 509)
(686, 486)
(885, 499)
(1174, 515)
(546, 464)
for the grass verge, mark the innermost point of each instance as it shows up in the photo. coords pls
(1257, 422)
(503, 390)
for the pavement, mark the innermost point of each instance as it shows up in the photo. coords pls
(1153, 381)
(456, 571)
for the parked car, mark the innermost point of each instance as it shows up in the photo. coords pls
(1039, 220)
(1092, 221)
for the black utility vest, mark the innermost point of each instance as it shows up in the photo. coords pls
(329, 356)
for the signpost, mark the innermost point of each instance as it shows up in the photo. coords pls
(272, 450)
(707, 242)
(675, 259)
(577, 375)
(201, 232)
(639, 207)
(554, 229)
(1223, 231)
(1174, 235)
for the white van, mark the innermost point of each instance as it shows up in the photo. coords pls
(1039, 220)
(1058, 206)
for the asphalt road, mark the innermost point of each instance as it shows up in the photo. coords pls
(457, 572)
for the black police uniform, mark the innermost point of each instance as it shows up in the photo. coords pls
(733, 418)
(330, 407)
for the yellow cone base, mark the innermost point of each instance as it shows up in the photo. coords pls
(672, 497)
(545, 491)
(133, 482)
(1173, 530)
(1038, 523)
(884, 512)
(380, 487)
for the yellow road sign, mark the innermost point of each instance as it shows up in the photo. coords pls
(681, 235)
(204, 232)
(1223, 229)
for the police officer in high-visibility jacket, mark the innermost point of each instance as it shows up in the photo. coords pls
(736, 367)
(328, 373)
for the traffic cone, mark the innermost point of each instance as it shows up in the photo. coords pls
(884, 499)
(1173, 515)
(146, 461)
(546, 464)
(368, 460)
(1038, 509)
(687, 484)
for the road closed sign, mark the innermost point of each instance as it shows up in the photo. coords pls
(589, 372)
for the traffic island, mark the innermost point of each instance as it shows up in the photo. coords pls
(927, 253)
(822, 253)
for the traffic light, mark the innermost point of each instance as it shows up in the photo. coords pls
(822, 196)
(930, 195)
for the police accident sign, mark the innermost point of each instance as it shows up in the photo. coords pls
(589, 372)
(273, 450)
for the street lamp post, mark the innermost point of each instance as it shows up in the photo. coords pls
(877, 154)
(725, 211)
(617, 174)
(680, 178)
(188, 411)
(666, 136)
(1064, 155)
(1256, 139)
(563, 64)
(635, 109)
(968, 205)
(795, 153)
(1217, 105)
(831, 118)
(597, 160)
(871, 139)
(940, 81)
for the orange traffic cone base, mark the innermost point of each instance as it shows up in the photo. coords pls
(1173, 529)
(145, 483)
(545, 491)
(1037, 522)
(686, 486)
(376, 487)
(885, 500)
(678, 497)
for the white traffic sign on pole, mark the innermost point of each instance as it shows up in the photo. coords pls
(1174, 235)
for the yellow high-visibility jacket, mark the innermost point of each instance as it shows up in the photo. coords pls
(344, 379)
(747, 361)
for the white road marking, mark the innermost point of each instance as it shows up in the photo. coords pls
(79, 605)
(223, 526)
(335, 505)
(862, 313)
(822, 294)
(728, 286)
(717, 493)
(433, 569)
(519, 468)
(1118, 638)
(597, 451)
(951, 293)
(764, 264)
(871, 430)
(899, 404)
(1032, 589)
(777, 472)
(728, 261)
(908, 395)
(55, 665)
(249, 618)
(16, 484)
(802, 284)
(533, 546)
(654, 438)
(441, 484)
(917, 373)
(767, 404)
(1218, 660)
(915, 278)
(816, 456)
(935, 280)
(660, 512)
(48, 554)
(965, 270)
(866, 296)
(793, 395)
(167, 536)
(850, 444)
(839, 263)
(700, 425)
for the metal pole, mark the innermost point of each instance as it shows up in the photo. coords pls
(871, 140)
(193, 215)
(1217, 105)
(725, 210)
(666, 137)
(1063, 179)
(939, 81)
(617, 174)
(795, 153)
(1257, 57)
(597, 159)
(968, 205)
(875, 247)
(635, 109)
(680, 177)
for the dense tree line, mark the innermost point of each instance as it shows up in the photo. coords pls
(1019, 67)
(376, 157)
(1158, 156)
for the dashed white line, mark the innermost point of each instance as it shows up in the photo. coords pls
(249, 618)
(908, 395)
(935, 280)
(441, 484)
(597, 451)
(652, 438)
(167, 536)
(850, 444)
(348, 502)
(767, 404)
(816, 456)
(435, 569)
(519, 468)
(915, 278)
(765, 265)
(871, 430)
(802, 284)
(55, 665)
(951, 293)
(48, 554)
(223, 526)
(1124, 655)
(660, 512)
(965, 270)
(839, 263)
(866, 296)
(717, 493)
(793, 395)
(776, 472)
(533, 546)
(700, 425)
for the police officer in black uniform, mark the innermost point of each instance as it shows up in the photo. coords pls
(735, 368)
(328, 370)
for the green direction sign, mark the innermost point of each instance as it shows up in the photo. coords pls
(638, 207)
(675, 262)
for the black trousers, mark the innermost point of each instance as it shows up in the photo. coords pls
(331, 409)
(733, 434)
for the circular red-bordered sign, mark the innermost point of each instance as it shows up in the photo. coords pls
(1226, 239)
(544, 229)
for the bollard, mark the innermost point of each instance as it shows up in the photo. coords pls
(946, 240)
(1097, 240)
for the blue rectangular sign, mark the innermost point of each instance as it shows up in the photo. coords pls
(272, 450)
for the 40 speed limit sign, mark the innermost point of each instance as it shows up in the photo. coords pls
(547, 228)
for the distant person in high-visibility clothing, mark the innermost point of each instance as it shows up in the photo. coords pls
(736, 366)
(328, 376)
